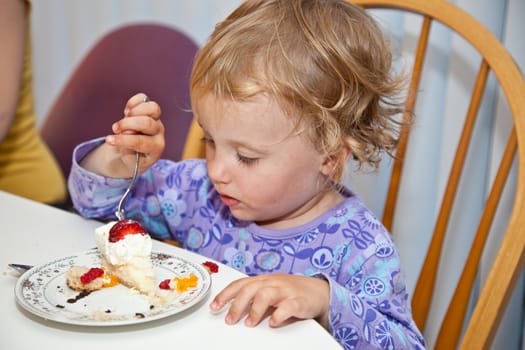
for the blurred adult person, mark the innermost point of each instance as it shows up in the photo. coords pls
(27, 166)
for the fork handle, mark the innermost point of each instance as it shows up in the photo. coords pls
(120, 209)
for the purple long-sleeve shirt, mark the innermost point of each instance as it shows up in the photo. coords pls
(348, 246)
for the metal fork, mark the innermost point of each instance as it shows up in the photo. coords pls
(20, 268)
(120, 210)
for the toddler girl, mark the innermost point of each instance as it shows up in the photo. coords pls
(286, 91)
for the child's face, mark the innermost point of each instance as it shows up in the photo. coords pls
(263, 172)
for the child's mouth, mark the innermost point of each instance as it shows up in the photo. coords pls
(229, 201)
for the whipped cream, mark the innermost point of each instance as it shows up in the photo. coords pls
(126, 249)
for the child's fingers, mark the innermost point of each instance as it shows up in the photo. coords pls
(150, 109)
(226, 295)
(148, 145)
(143, 108)
(231, 294)
(262, 304)
(288, 309)
(138, 125)
(134, 101)
(285, 297)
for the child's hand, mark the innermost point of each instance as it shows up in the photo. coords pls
(141, 130)
(282, 296)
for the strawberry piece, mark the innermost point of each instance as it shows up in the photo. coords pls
(92, 274)
(125, 227)
(211, 266)
(165, 284)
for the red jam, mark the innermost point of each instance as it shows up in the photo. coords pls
(211, 266)
(92, 274)
(165, 284)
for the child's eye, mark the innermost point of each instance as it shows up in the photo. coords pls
(247, 160)
(207, 140)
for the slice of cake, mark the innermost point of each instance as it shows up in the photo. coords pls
(125, 251)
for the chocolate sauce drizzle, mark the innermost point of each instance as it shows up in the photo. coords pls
(80, 295)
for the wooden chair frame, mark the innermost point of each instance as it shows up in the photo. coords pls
(509, 261)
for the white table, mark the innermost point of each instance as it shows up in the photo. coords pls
(35, 234)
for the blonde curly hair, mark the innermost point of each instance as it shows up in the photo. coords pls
(326, 62)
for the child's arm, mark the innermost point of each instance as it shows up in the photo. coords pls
(355, 320)
(140, 130)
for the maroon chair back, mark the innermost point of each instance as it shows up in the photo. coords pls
(150, 58)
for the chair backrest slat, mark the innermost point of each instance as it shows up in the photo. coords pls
(415, 79)
(505, 271)
(424, 290)
(452, 324)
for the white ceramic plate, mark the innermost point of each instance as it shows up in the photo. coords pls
(43, 292)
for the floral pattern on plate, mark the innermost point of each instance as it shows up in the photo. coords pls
(43, 292)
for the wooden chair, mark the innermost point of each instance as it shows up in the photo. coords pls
(142, 57)
(508, 263)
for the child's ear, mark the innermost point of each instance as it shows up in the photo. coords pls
(333, 164)
(329, 165)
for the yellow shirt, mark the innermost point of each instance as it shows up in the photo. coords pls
(27, 167)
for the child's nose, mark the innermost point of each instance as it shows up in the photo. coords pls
(217, 170)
